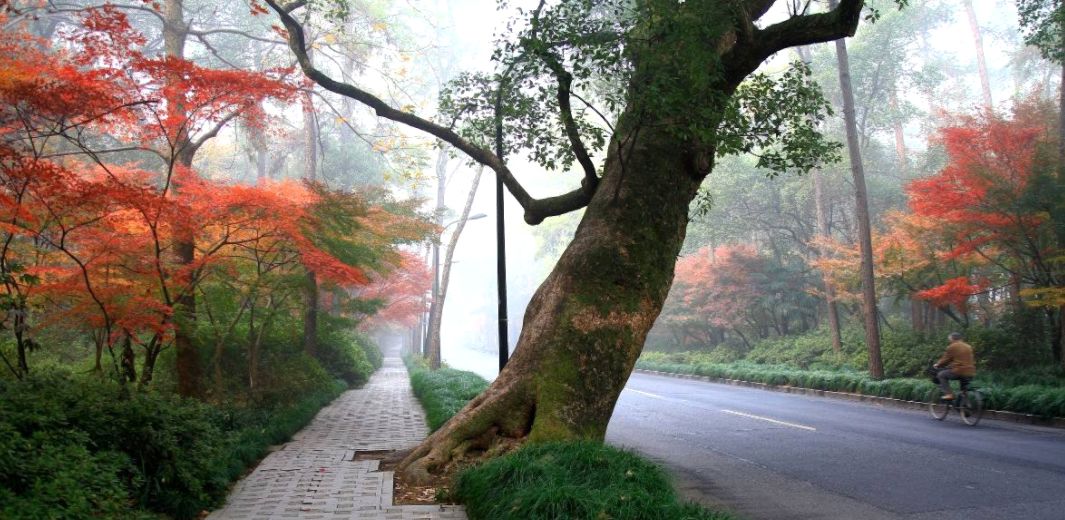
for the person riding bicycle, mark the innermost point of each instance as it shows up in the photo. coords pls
(957, 362)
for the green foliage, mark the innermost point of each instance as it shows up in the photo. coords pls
(75, 448)
(348, 356)
(658, 62)
(572, 480)
(1043, 22)
(778, 120)
(442, 392)
(52, 474)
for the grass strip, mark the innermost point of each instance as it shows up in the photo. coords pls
(442, 392)
(578, 480)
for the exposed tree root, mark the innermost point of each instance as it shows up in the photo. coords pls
(493, 423)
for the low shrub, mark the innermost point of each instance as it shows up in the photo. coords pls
(74, 447)
(572, 480)
(345, 358)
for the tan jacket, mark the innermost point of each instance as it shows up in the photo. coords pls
(959, 359)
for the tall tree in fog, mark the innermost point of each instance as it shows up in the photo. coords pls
(861, 213)
(978, 44)
(679, 91)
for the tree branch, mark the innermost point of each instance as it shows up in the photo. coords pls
(565, 79)
(536, 210)
(840, 22)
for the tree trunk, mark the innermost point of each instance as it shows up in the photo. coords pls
(310, 315)
(872, 323)
(823, 229)
(432, 335)
(900, 137)
(981, 63)
(437, 311)
(310, 163)
(1061, 125)
(586, 324)
(188, 367)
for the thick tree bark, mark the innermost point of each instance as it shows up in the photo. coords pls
(872, 322)
(436, 313)
(585, 326)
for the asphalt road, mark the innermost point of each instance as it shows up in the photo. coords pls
(769, 455)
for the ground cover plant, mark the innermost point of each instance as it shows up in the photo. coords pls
(573, 480)
(442, 392)
(548, 480)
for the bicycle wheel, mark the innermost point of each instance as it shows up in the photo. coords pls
(936, 405)
(972, 407)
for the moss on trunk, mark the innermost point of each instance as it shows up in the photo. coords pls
(585, 326)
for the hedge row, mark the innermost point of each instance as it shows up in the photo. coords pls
(1046, 400)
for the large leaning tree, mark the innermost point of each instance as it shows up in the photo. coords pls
(643, 95)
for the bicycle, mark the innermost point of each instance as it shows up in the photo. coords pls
(968, 402)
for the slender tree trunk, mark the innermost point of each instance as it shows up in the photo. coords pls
(151, 354)
(21, 345)
(900, 137)
(189, 371)
(129, 361)
(981, 63)
(310, 162)
(432, 335)
(1059, 336)
(872, 323)
(823, 229)
(586, 324)
(1061, 125)
(437, 311)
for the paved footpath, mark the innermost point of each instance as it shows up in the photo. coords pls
(320, 474)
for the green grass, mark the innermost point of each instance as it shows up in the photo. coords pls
(442, 392)
(572, 480)
(1007, 391)
(563, 481)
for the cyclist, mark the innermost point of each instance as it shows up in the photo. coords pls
(957, 362)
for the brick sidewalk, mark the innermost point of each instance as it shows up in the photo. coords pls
(316, 474)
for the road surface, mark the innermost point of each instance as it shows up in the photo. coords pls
(770, 455)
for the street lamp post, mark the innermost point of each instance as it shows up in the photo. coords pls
(501, 275)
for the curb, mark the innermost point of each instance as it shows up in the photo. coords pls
(1023, 418)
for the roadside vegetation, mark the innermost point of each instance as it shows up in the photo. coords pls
(76, 445)
(553, 480)
(442, 392)
(808, 361)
